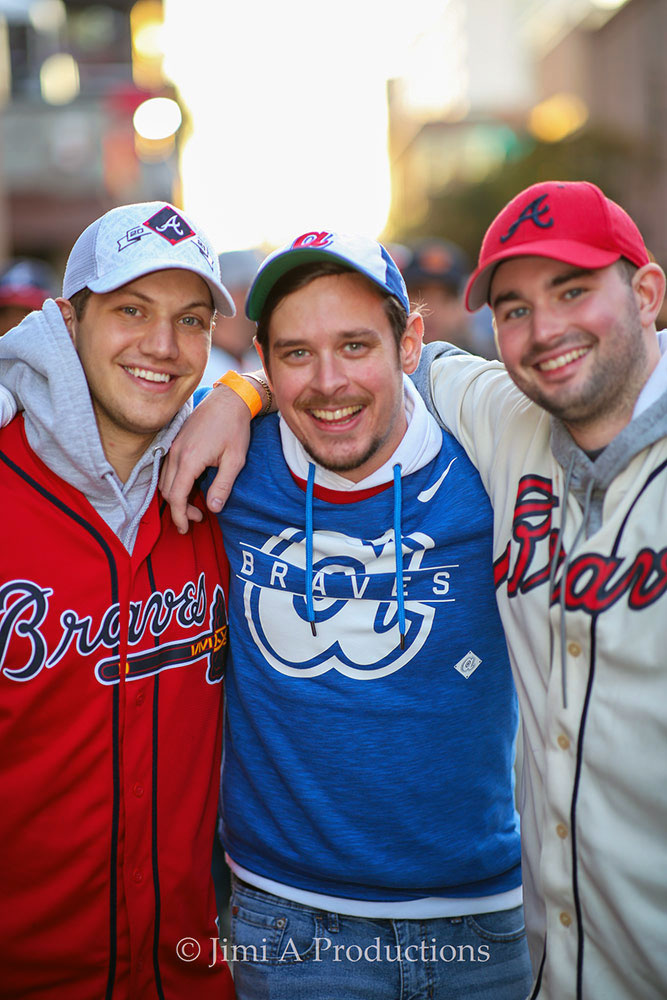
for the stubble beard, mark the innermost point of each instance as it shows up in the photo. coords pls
(355, 461)
(345, 464)
(611, 390)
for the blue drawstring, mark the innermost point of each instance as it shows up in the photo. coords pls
(398, 544)
(309, 547)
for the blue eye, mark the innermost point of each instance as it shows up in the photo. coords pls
(517, 313)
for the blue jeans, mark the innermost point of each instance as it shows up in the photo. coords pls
(286, 951)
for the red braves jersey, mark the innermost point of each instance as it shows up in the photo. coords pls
(110, 726)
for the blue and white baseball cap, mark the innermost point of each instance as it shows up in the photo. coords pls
(359, 253)
(134, 240)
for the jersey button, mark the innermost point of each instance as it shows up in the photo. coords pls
(561, 830)
(574, 649)
(138, 789)
(565, 919)
(563, 742)
(140, 699)
(138, 876)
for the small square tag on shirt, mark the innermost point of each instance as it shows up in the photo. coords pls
(468, 664)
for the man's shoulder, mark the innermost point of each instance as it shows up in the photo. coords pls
(23, 474)
(471, 366)
(265, 469)
(265, 441)
(478, 390)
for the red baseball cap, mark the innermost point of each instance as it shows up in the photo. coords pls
(571, 221)
(26, 283)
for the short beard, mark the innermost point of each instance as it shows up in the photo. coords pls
(612, 389)
(346, 465)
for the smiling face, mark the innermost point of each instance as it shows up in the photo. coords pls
(337, 373)
(143, 349)
(579, 343)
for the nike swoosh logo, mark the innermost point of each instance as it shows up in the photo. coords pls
(428, 494)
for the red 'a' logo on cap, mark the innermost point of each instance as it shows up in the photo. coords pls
(313, 240)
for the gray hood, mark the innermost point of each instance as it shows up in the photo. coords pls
(39, 365)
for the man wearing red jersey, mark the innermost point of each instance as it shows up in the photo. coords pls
(112, 630)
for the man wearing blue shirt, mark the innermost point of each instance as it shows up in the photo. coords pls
(367, 803)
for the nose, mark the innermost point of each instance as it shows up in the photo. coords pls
(159, 339)
(548, 324)
(330, 376)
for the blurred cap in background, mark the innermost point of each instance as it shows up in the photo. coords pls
(24, 285)
(437, 262)
(25, 282)
(239, 267)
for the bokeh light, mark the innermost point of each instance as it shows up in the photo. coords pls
(59, 79)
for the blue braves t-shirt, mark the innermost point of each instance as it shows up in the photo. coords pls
(352, 766)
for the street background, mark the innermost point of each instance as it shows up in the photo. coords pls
(266, 119)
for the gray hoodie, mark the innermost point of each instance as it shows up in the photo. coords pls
(39, 365)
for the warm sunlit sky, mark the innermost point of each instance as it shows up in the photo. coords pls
(288, 104)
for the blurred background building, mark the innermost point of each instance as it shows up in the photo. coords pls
(87, 118)
(489, 98)
(499, 96)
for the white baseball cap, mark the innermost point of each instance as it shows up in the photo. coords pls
(133, 240)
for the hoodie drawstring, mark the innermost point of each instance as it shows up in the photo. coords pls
(398, 545)
(110, 477)
(566, 565)
(309, 547)
(132, 528)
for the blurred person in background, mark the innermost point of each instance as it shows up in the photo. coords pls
(25, 283)
(435, 272)
(231, 341)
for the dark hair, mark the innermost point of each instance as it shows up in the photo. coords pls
(301, 276)
(627, 269)
(79, 301)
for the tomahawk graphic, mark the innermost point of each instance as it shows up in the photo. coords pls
(211, 644)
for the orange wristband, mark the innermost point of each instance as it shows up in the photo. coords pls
(242, 388)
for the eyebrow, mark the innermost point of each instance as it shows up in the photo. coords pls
(128, 290)
(345, 335)
(561, 279)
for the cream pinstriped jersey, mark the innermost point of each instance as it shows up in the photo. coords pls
(594, 789)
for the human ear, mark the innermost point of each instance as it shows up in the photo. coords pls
(69, 316)
(648, 285)
(411, 343)
(260, 351)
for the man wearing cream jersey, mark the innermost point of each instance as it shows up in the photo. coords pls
(572, 448)
(367, 806)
